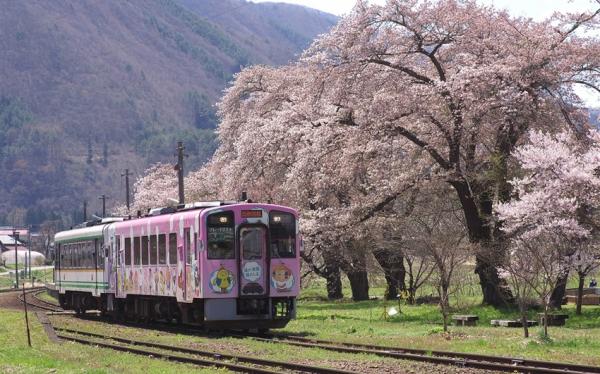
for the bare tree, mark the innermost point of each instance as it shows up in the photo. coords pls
(514, 271)
(419, 269)
(438, 231)
(584, 261)
(539, 261)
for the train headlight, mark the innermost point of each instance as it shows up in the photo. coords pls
(276, 219)
(223, 219)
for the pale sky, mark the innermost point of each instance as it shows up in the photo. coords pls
(536, 9)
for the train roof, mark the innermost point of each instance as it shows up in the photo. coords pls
(84, 233)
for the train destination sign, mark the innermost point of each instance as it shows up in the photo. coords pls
(252, 213)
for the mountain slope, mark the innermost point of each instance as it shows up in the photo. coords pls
(89, 88)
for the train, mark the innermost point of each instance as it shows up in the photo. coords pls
(218, 264)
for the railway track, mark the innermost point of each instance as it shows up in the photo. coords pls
(192, 356)
(476, 361)
(33, 300)
(467, 360)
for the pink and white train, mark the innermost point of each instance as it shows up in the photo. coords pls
(216, 264)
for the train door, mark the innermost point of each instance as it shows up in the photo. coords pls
(253, 261)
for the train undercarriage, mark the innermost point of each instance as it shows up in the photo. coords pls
(240, 313)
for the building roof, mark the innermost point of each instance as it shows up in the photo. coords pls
(8, 240)
(9, 231)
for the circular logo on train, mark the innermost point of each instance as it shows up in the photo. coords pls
(252, 271)
(221, 280)
(282, 278)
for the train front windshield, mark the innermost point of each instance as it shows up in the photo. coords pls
(221, 236)
(283, 234)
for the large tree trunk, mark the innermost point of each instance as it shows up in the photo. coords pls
(559, 291)
(496, 291)
(359, 283)
(580, 293)
(392, 263)
(524, 323)
(331, 273)
(334, 282)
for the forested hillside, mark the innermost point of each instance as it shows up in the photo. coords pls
(89, 88)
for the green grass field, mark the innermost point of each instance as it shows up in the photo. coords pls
(418, 326)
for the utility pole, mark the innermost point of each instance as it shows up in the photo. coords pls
(15, 238)
(126, 175)
(84, 210)
(179, 168)
(26, 317)
(29, 250)
(103, 198)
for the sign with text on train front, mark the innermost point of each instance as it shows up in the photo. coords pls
(252, 213)
(220, 234)
(252, 271)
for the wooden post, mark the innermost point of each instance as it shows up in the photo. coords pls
(26, 317)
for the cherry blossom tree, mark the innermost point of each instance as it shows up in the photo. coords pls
(463, 82)
(393, 96)
(558, 196)
(155, 188)
(281, 144)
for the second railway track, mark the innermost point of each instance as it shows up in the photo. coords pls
(208, 358)
(467, 360)
(32, 299)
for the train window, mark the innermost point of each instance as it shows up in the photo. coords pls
(58, 262)
(195, 245)
(89, 248)
(83, 255)
(100, 254)
(188, 246)
(153, 249)
(144, 250)
(283, 234)
(118, 249)
(173, 249)
(77, 255)
(162, 249)
(252, 242)
(137, 251)
(128, 251)
(220, 232)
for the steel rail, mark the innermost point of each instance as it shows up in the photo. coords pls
(439, 357)
(472, 356)
(48, 303)
(169, 357)
(48, 306)
(244, 359)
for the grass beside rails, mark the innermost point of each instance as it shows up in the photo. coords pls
(420, 326)
(6, 281)
(44, 275)
(44, 357)
(47, 297)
